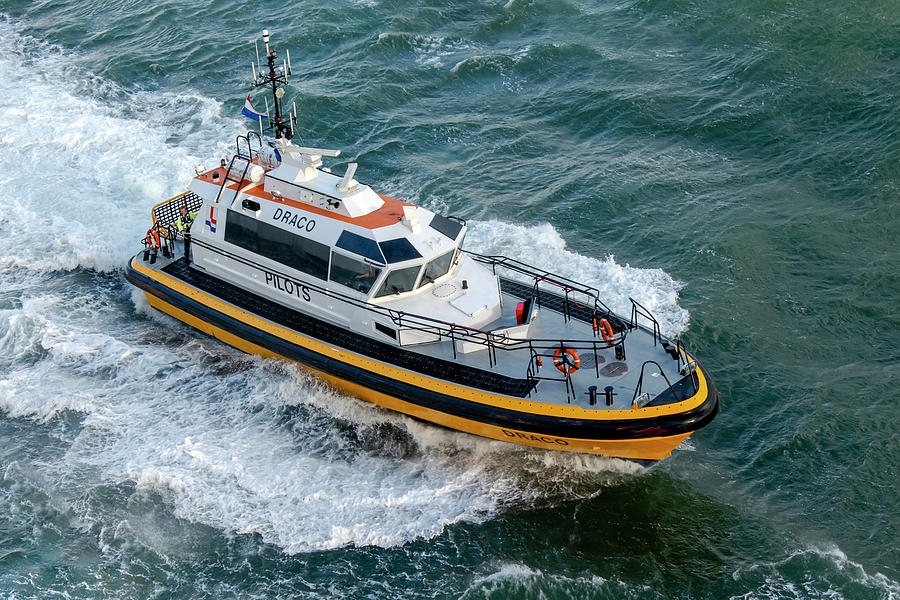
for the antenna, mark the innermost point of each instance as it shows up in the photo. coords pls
(253, 70)
(289, 71)
(276, 78)
(315, 151)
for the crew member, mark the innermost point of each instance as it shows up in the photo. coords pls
(185, 220)
(184, 223)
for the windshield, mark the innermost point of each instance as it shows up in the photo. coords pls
(399, 281)
(437, 267)
(353, 273)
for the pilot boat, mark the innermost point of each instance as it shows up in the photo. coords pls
(272, 253)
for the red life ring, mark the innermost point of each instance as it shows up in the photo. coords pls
(606, 330)
(563, 364)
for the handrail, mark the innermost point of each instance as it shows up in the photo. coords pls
(247, 138)
(638, 310)
(441, 329)
(227, 178)
(638, 388)
(593, 310)
(535, 363)
(682, 355)
(239, 155)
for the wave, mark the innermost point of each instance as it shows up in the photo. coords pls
(84, 160)
(520, 581)
(814, 572)
(253, 446)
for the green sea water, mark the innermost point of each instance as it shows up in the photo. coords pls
(735, 166)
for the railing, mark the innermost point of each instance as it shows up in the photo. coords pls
(684, 365)
(640, 398)
(239, 159)
(538, 349)
(639, 311)
(593, 310)
(536, 362)
(439, 329)
(248, 140)
(165, 214)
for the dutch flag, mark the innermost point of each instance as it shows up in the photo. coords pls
(252, 113)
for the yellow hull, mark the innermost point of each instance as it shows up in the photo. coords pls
(646, 449)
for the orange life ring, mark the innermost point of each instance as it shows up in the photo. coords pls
(153, 238)
(561, 363)
(606, 330)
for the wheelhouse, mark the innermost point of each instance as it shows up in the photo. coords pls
(378, 270)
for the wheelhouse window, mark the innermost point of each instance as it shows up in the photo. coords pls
(399, 250)
(353, 273)
(438, 267)
(399, 281)
(275, 243)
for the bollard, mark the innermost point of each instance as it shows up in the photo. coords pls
(609, 395)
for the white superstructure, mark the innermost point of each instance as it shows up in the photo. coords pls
(277, 223)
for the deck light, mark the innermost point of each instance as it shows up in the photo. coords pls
(689, 368)
(641, 401)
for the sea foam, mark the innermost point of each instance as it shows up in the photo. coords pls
(78, 175)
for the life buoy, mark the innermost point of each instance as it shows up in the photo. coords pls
(606, 329)
(153, 238)
(566, 365)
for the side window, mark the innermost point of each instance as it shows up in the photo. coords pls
(275, 243)
(270, 241)
(399, 281)
(241, 231)
(437, 267)
(311, 257)
(352, 273)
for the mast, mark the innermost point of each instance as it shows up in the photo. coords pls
(277, 76)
